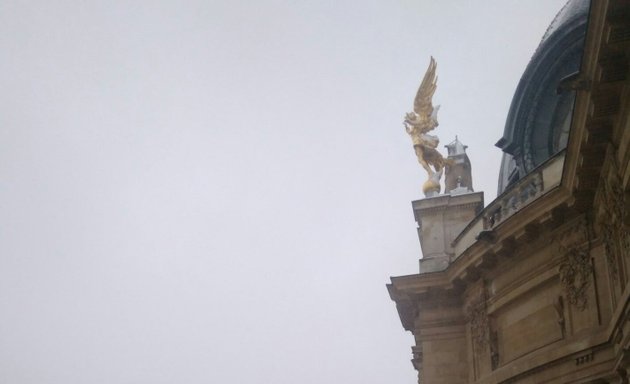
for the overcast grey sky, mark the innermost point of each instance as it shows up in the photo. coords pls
(218, 191)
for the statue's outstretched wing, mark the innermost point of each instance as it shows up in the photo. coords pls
(422, 104)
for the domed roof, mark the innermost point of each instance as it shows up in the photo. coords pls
(571, 12)
(539, 117)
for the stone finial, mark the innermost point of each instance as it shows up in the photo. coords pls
(458, 170)
(456, 148)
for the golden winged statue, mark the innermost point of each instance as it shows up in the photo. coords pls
(422, 120)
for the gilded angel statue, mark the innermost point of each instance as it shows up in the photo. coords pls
(422, 120)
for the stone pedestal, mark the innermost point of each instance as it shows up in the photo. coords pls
(440, 219)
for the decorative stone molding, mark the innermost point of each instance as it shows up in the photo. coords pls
(477, 316)
(510, 202)
(584, 358)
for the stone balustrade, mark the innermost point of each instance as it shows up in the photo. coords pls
(515, 198)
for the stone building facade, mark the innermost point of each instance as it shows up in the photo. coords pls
(535, 286)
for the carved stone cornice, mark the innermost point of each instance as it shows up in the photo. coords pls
(413, 293)
(446, 202)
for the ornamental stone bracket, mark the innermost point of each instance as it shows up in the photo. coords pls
(407, 310)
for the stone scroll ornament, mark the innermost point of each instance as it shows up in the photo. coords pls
(418, 123)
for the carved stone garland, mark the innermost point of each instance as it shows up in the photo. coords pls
(477, 317)
(576, 269)
(615, 233)
(575, 276)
